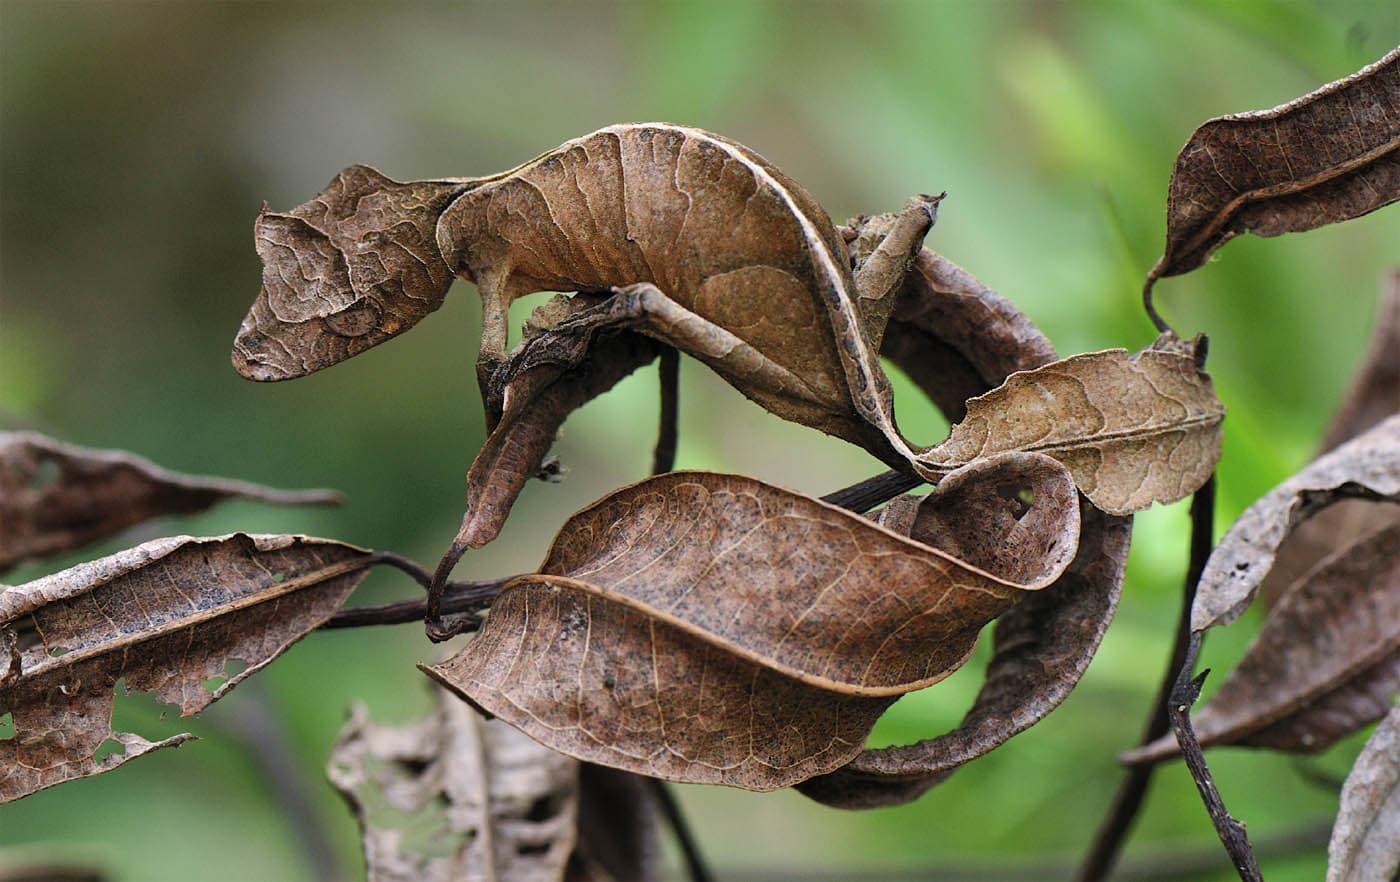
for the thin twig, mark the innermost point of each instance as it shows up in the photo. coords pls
(1132, 791)
(1152, 312)
(458, 597)
(267, 745)
(1231, 832)
(865, 495)
(663, 461)
(664, 457)
(690, 850)
(415, 570)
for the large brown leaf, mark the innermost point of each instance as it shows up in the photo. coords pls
(356, 265)
(717, 252)
(715, 629)
(166, 617)
(55, 497)
(1365, 844)
(1329, 156)
(1326, 662)
(1132, 429)
(456, 797)
(1367, 467)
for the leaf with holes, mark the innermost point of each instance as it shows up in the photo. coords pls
(167, 617)
(55, 497)
(1329, 156)
(677, 620)
(456, 797)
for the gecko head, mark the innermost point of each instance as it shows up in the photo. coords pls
(354, 266)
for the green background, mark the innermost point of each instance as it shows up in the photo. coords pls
(139, 141)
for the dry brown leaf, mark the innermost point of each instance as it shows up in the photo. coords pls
(356, 265)
(1041, 649)
(1328, 156)
(55, 497)
(1365, 844)
(1132, 429)
(456, 797)
(167, 617)
(1324, 664)
(677, 619)
(1367, 467)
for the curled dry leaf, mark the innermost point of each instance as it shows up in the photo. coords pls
(55, 497)
(1132, 429)
(1329, 156)
(714, 629)
(356, 265)
(1325, 663)
(557, 367)
(456, 797)
(1367, 467)
(1041, 649)
(167, 617)
(1365, 844)
(955, 337)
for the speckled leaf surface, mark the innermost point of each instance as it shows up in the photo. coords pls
(714, 629)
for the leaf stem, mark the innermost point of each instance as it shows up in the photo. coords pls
(456, 597)
(865, 495)
(1147, 304)
(690, 850)
(664, 457)
(1231, 832)
(1132, 791)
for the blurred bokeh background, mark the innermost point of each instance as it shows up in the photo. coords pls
(140, 139)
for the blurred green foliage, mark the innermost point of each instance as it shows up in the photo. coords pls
(140, 139)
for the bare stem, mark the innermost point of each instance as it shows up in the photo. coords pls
(690, 849)
(1151, 308)
(456, 597)
(664, 457)
(1132, 791)
(1231, 832)
(865, 495)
